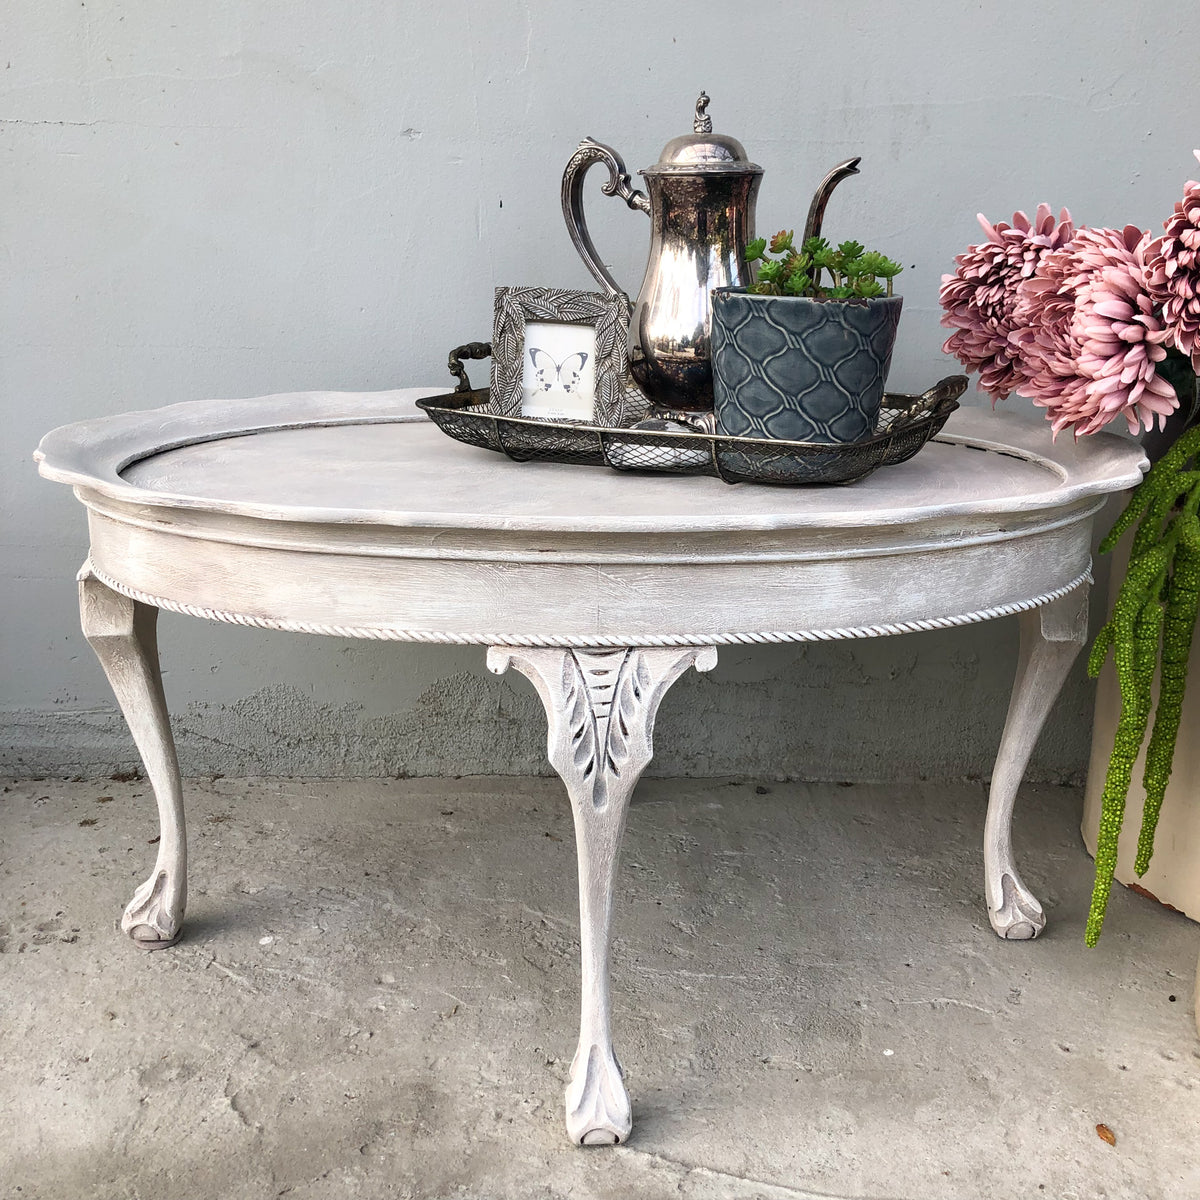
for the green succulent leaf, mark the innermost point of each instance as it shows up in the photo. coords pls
(879, 266)
(796, 264)
(852, 271)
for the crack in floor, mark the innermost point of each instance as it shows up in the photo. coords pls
(763, 1189)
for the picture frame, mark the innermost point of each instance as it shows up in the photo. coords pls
(574, 365)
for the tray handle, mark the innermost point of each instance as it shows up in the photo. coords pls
(949, 388)
(455, 366)
(942, 392)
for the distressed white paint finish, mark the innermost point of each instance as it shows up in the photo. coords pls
(350, 511)
(197, 456)
(1051, 637)
(743, 638)
(600, 709)
(123, 633)
(351, 514)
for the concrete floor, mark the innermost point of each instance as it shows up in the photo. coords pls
(376, 997)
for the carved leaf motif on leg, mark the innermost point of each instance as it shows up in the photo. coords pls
(626, 714)
(593, 679)
(580, 721)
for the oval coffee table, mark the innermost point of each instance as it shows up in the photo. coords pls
(352, 515)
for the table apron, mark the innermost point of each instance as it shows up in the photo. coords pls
(769, 542)
(491, 602)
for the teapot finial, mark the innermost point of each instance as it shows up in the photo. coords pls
(703, 122)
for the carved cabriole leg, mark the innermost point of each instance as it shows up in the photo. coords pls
(1051, 637)
(600, 708)
(122, 633)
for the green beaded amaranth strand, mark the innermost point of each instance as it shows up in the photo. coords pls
(1100, 649)
(1164, 475)
(1135, 670)
(1183, 605)
(1143, 580)
(1153, 621)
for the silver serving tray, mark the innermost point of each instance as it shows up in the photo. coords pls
(906, 423)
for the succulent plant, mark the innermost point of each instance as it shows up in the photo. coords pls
(855, 273)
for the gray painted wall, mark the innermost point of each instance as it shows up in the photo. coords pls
(236, 198)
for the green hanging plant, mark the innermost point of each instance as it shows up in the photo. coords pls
(1158, 602)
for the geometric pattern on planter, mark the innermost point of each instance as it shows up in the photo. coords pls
(800, 369)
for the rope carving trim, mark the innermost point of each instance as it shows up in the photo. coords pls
(389, 634)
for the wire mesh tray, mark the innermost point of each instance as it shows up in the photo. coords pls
(905, 424)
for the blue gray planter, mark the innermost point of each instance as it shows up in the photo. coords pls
(799, 369)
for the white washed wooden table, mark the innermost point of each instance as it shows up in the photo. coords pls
(350, 514)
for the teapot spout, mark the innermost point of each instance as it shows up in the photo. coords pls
(816, 211)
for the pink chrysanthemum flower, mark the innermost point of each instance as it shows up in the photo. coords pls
(1173, 272)
(1089, 337)
(981, 297)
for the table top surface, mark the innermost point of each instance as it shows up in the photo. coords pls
(373, 458)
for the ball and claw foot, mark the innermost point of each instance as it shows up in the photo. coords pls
(1020, 917)
(598, 1112)
(152, 918)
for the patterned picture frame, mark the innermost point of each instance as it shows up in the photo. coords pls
(618, 403)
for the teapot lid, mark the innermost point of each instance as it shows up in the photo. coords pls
(703, 151)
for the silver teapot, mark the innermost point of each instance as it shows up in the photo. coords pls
(701, 209)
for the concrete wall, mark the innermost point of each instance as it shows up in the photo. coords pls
(235, 198)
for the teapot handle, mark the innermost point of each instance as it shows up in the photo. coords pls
(590, 152)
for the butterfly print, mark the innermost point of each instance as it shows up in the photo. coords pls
(550, 374)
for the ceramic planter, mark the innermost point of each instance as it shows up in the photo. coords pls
(800, 369)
